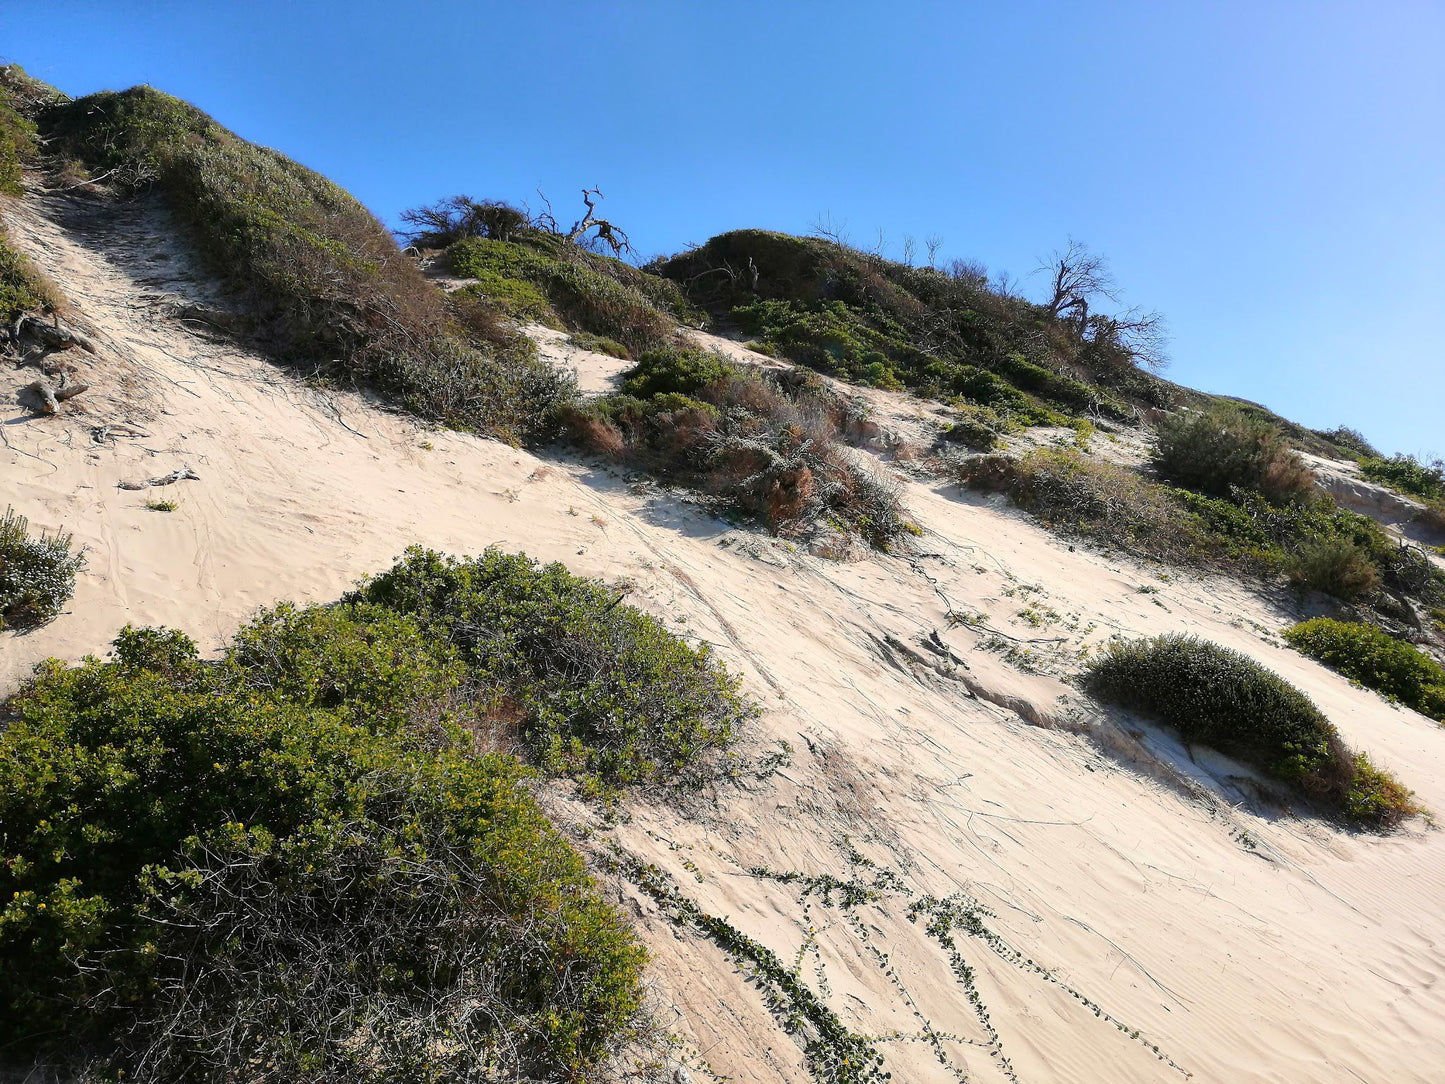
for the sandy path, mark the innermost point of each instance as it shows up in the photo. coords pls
(1247, 943)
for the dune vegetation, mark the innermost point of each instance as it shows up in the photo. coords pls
(1221, 698)
(355, 774)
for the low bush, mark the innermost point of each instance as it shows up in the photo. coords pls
(263, 870)
(1350, 441)
(37, 574)
(22, 287)
(1376, 660)
(1408, 475)
(1226, 448)
(1221, 698)
(596, 686)
(1336, 566)
(740, 435)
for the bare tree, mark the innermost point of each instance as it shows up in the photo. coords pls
(607, 233)
(974, 272)
(1140, 334)
(825, 228)
(933, 242)
(1075, 276)
(910, 249)
(437, 225)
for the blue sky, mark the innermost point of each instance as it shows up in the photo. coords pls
(1270, 175)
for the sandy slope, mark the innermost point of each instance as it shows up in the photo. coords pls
(1248, 943)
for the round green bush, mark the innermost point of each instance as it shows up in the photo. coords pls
(601, 688)
(1224, 699)
(1376, 660)
(262, 870)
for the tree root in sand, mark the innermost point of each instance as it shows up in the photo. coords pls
(181, 474)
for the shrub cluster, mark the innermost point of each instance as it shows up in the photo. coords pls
(1226, 448)
(37, 574)
(1226, 700)
(291, 866)
(1376, 660)
(740, 434)
(594, 686)
(326, 276)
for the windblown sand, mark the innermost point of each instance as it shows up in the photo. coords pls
(1243, 939)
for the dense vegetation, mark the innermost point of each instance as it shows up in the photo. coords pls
(1224, 699)
(291, 866)
(766, 448)
(327, 278)
(949, 335)
(1225, 449)
(37, 573)
(1376, 660)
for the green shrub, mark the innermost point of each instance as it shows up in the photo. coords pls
(1226, 447)
(1335, 566)
(599, 687)
(1408, 475)
(739, 434)
(262, 870)
(1350, 441)
(37, 575)
(1221, 698)
(1376, 660)
(507, 392)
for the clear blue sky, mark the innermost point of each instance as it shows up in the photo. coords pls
(1270, 175)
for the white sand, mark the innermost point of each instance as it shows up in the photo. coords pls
(1248, 943)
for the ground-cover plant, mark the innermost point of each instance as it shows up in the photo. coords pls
(327, 280)
(1375, 659)
(593, 686)
(1224, 699)
(762, 447)
(37, 573)
(291, 866)
(1226, 448)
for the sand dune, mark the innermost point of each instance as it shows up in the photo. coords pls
(1145, 912)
